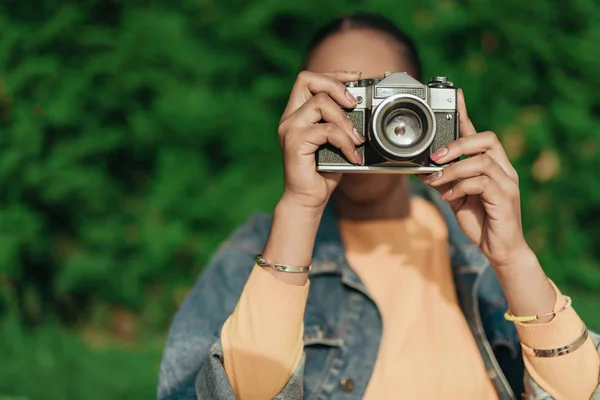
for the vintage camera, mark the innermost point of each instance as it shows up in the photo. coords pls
(404, 122)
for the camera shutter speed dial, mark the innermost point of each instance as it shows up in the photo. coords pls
(366, 82)
(440, 82)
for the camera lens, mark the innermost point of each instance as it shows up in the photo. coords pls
(403, 127)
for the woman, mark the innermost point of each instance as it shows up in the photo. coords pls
(402, 302)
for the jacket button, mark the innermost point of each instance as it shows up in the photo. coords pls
(347, 384)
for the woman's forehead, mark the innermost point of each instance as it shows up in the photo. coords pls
(369, 51)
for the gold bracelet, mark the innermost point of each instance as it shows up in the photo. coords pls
(560, 351)
(281, 267)
(510, 317)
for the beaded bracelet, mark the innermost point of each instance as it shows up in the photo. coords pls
(510, 317)
(281, 267)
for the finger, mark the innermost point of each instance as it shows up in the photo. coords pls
(482, 185)
(320, 134)
(310, 83)
(344, 76)
(485, 142)
(466, 127)
(322, 108)
(428, 178)
(482, 164)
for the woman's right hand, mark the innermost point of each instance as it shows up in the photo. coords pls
(314, 117)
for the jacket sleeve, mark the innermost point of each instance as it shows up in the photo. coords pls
(535, 392)
(192, 362)
(212, 383)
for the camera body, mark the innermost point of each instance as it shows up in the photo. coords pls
(404, 122)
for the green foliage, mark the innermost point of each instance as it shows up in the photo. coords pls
(52, 364)
(135, 135)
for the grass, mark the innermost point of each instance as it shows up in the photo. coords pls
(51, 363)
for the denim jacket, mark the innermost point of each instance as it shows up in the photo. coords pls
(342, 327)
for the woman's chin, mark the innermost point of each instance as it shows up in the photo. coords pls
(368, 188)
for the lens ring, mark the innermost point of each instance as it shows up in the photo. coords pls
(382, 114)
(403, 127)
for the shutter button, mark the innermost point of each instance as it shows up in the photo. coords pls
(347, 384)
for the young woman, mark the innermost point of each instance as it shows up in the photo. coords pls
(408, 286)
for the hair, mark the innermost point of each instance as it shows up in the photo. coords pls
(373, 22)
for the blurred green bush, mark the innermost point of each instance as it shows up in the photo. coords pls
(134, 136)
(53, 364)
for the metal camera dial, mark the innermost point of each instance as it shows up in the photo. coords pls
(366, 82)
(440, 82)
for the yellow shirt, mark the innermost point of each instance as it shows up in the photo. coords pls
(426, 350)
(405, 266)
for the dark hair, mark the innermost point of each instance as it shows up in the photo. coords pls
(377, 23)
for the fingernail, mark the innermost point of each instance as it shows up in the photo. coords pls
(350, 97)
(358, 135)
(439, 154)
(359, 160)
(433, 177)
(447, 195)
(356, 72)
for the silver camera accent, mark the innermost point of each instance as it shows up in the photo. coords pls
(390, 135)
(404, 122)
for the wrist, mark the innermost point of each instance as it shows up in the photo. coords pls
(288, 208)
(519, 259)
(525, 284)
(306, 203)
(292, 238)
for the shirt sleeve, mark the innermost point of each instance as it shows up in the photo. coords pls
(572, 376)
(263, 338)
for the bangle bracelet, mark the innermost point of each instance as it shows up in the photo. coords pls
(280, 267)
(510, 317)
(559, 351)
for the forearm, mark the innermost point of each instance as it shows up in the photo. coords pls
(570, 376)
(526, 286)
(530, 292)
(263, 338)
(292, 239)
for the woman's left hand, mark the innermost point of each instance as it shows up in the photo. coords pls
(483, 192)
